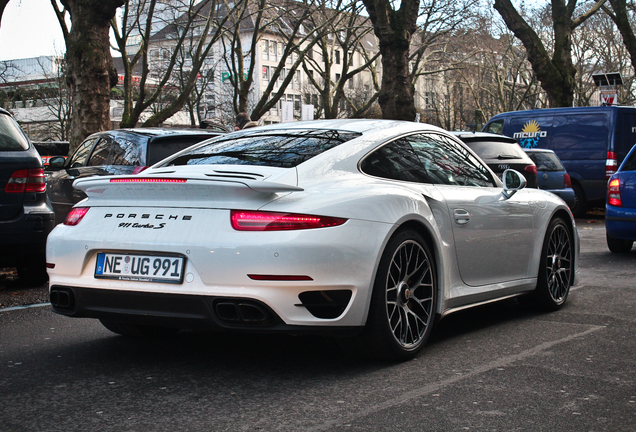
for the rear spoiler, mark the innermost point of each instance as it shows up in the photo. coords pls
(99, 184)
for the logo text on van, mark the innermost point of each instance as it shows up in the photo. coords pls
(530, 134)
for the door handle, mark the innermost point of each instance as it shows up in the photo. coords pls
(462, 217)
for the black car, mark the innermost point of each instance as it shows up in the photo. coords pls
(26, 218)
(115, 152)
(501, 153)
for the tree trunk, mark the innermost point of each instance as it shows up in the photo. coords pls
(90, 70)
(555, 74)
(394, 29)
(621, 19)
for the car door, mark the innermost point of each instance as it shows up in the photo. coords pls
(493, 235)
(88, 160)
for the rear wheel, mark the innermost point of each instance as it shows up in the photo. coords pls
(579, 209)
(402, 306)
(619, 245)
(556, 266)
(137, 330)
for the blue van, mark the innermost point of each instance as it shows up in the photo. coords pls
(590, 141)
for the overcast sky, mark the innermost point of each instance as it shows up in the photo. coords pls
(30, 29)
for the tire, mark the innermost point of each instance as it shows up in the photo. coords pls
(556, 266)
(402, 308)
(616, 245)
(137, 330)
(579, 209)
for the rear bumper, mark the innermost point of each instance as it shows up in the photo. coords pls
(26, 235)
(620, 222)
(177, 311)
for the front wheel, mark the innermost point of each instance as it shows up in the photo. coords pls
(556, 266)
(402, 306)
(616, 245)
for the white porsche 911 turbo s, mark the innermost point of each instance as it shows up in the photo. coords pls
(371, 229)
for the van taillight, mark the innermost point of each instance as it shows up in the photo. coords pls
(567, 181)
(611, 164)
(31, 180)
(614, 193)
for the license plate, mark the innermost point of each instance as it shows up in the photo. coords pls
(140, 268)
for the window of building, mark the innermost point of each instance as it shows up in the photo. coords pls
(273, 51)
(265, 73)
(297, 104)
(337, 56)
(265, 44)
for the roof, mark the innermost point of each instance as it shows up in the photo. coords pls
(470, 136)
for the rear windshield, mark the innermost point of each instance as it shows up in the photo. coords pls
(497, 150)
(275, 149)
(546, 161)
(11, 137)
(630, 164)
(161, 148)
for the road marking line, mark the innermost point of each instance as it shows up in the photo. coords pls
(24, 307)
(430, 388)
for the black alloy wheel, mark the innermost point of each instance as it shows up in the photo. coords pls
(556, 266)
(403, 299)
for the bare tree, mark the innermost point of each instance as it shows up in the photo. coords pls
(56, 98)
(622, 13)
(498, 76)
(293, 35)
(556, 72)
(90, 70)
(394, 29)
(349, 35)
(194, 28)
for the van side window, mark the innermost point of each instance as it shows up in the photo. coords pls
(495, 127)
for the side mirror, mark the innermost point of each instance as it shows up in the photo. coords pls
(56, 163)
(512, 182)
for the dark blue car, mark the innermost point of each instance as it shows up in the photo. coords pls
(620, 208)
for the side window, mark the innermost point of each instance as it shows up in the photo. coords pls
(79, 157)
(495, 127)
(99, 156)
(124, 152)
(395, 160)
(448, 162)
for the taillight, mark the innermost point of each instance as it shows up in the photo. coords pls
(31, 180)
(147, 180)
(75, 215)
(531, 169)
(274, 221)
(611, 164)
(567, 181)
(614, 193)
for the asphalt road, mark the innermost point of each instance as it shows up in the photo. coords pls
(496, 368)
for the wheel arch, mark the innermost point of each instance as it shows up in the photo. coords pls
(428, 234)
